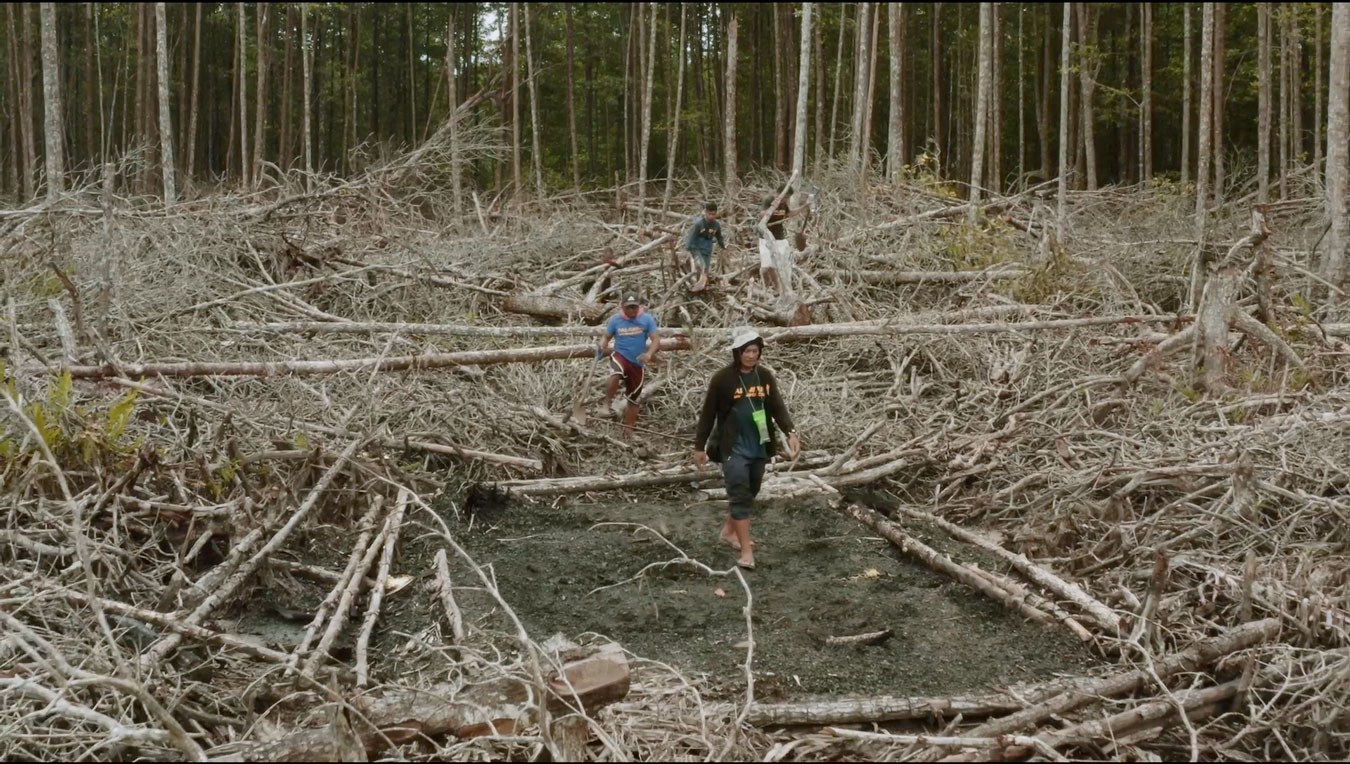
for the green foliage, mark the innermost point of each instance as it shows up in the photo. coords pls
(75, 434)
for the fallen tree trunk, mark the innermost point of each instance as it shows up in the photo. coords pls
(920, 277)
(554, 308)
(398, 363)
(499, 707)
(665, 476)
(888, 708)
(1101, 615)
(1199, 655)
(939, 562)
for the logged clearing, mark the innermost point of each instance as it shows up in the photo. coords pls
(323, 474)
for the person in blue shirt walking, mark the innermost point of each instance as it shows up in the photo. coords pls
(636, 341)
(703, 231)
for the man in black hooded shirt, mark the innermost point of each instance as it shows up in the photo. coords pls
(744, 402)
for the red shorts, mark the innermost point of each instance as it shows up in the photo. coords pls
(632, 375)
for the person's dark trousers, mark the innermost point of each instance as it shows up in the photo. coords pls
(742, 476)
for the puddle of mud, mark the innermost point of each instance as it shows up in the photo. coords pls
(819, 574)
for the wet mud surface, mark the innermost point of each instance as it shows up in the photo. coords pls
(572, 569)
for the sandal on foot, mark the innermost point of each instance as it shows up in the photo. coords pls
(745, 565)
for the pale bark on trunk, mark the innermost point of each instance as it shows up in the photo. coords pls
(857, 141)
(729, 139)
(307, 63)
(820, 93)
(803, 91)
(1043, 102)
(1061, 209)
(1284, 101)
(165, 121)
(648, 79)
(1205, 121)
(571, 105)
(1217, 96)
(1217, 309)
(1186, 94)
(286, 157)
(1295, 87)
(412, 74)
(1317, 85)
(838, 77)
(1087, 71)
(981, 109)
(673, 144)
(1263, 103)
(995, 174)
(895, 129)
(260, 95)
(452, 102)
(1146, 109)
(1338, 144)
(54, 138)
(935, 64)
(190, 150)
(244, 175)
(516, 184)
(536, 156)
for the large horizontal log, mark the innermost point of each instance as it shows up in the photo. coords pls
(647, 478)
(398, 363)
(888, 708)
(892, 327)
(557, 308)
(1199, 655)
(919, 277)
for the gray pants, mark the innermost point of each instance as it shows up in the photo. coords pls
(742, 476)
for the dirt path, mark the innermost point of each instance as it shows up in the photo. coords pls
(819, 574)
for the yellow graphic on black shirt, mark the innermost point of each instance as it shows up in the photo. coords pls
(760, 391)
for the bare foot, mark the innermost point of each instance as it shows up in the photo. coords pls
(732, 541)
(746, 563)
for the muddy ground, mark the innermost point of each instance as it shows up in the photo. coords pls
(566, 568)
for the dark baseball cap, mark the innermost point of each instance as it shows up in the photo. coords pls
(631, 299)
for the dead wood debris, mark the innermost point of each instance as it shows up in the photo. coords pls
(227, 391)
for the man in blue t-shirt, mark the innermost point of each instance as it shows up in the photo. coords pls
(636, 341)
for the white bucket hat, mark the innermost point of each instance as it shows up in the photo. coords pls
(744, 337)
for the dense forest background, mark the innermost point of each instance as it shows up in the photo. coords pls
(235, 79)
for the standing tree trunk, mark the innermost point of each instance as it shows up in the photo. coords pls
(307, 63)
(1061, 209)
(1338, 143)
(729, 139)
(452, 102)
(412, 71)
(838, 76)
(285, 156)
(1217, 144)
(895, 159)
(1021, 108)
(1186, 94)
(190, 151)
(1263, 103)
(982, 78)
(260, 111)
(1295, 86)
(673, 144)
(1285, 80)
(1317, 84)
(54, 137)
(935, 64)
(871, 90)
(819, 39)
(165, 121)
(1043, 103)
(857, 141)
(536, 156)
(646, 141)
(1146, 108)
(515, 98)
(244, 176)
(571, 106)
(1206, 125)
(803, 90)
(1087, 70)
(995, 174)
